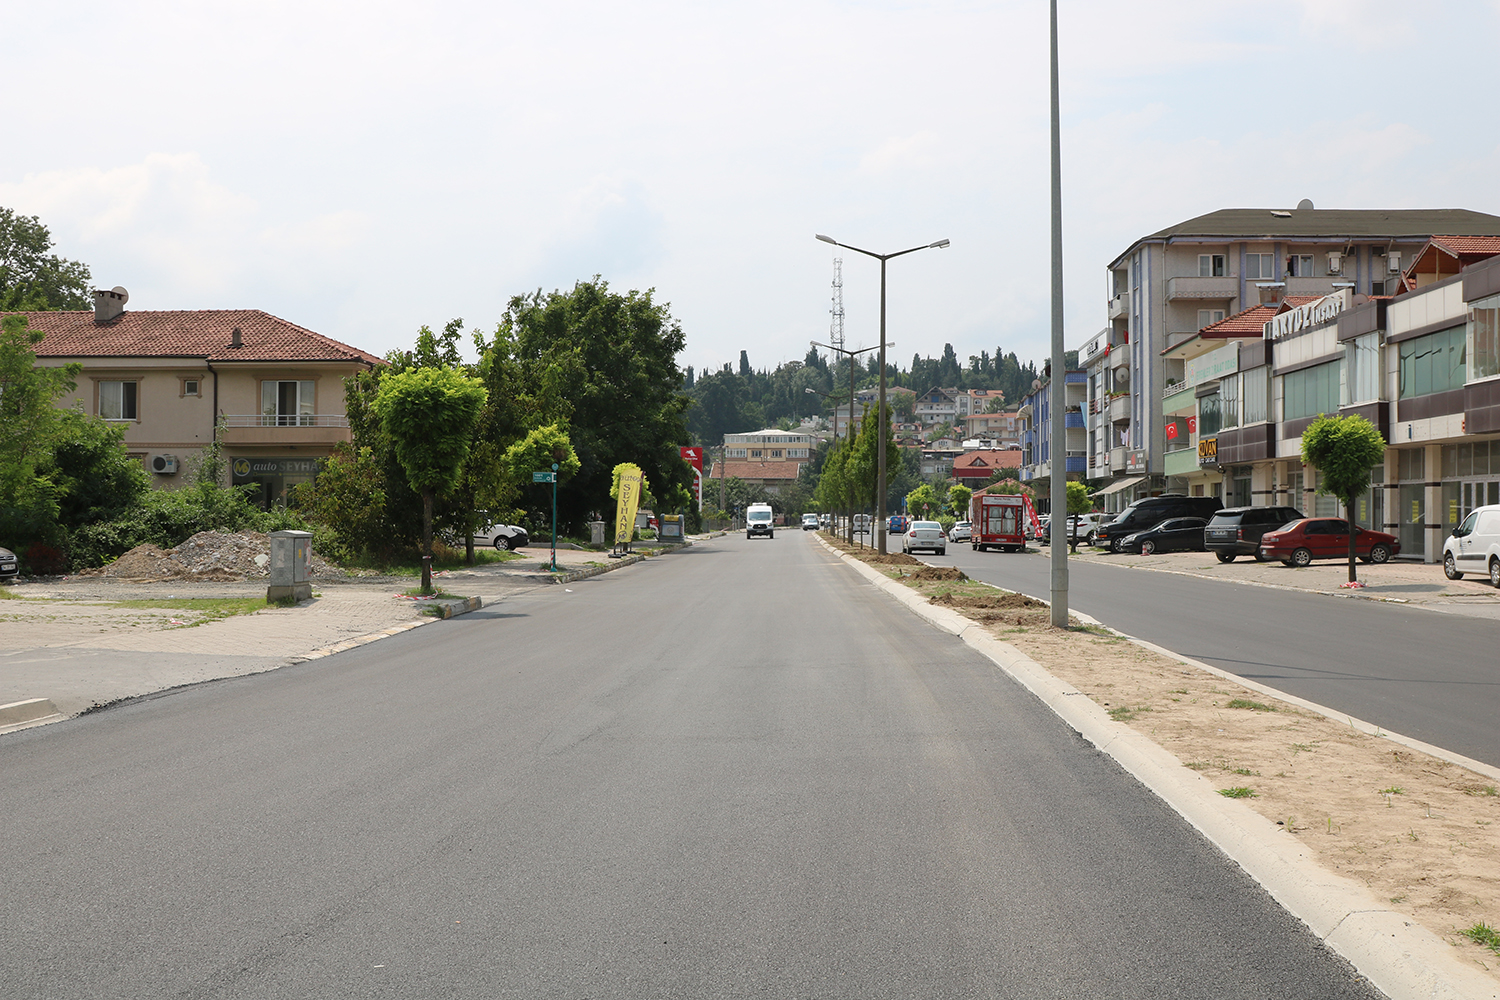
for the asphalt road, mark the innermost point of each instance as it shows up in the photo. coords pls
(735, 771)
(1433, 677)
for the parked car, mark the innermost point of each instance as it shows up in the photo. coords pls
(1474, 545)
(809, 522)
(1151, 511)
(1236, 531)
(925, 535)
(10, 566)
(1176, 534)
(503, 536)
(1299, 543)
(962, 532)
(1080, 526)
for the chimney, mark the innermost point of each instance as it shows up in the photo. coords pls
(109, 304)
(235, 340)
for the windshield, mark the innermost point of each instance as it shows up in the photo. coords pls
(760, 515)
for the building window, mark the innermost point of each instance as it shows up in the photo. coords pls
(1207, 317)
(775, 452)
(1362, 369)
(1255, 390)
(1300, 266)
(1484, 330)
(1434, 363)
(1311, 391)
(1411, 464)
(190, 387)
(1210, 415)
(756, 453)
(117, 400)
(1229, 401)
(1211, 265)
(1260, 266)
(287, 404)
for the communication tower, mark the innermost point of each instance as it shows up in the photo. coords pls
(836, 327)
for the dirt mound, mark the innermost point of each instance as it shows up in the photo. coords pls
(1000, 599)
(893, 559)
(939, 573)
(209, 556)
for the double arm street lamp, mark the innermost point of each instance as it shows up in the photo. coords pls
(852, 355)
(880, 524)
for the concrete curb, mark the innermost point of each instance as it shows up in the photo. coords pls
(451, 609)
(31, 712)
(630, 560)
(1401, 958)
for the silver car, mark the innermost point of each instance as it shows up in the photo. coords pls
(962, 532)
(925, 535)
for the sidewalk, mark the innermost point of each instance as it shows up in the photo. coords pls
(1398, 581)
(69, 643)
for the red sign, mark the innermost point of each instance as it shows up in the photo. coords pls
(1171, 430)
(693, 457)
(1192, 425)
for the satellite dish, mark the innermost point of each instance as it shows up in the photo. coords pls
(122, 293)
(1305, 205)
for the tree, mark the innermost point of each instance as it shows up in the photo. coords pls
(923, 499)
(30, 425)
(1079, 502)
(959, 496)
(429, 414)
(1343, 450)
(31, 279)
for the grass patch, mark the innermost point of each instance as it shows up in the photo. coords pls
(1485, 935)
(417, 592)
(6, 595)
(1126, 713)
(1238, 793)
(205, 609)
(443, 558)
(1489, 791)
(1393, 790)
(1254, 706)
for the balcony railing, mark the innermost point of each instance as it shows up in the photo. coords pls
(1216, 289)
(286, 420)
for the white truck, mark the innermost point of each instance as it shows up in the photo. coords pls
(759, 520)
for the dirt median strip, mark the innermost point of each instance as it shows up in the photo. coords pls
(1383, 850)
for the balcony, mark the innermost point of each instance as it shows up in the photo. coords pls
(288, 429)
(1182, 401)
(1215, 289)
(1119, 306)
(1118, 458)
(1073, 418)
(1314, 286)
(1119, 409)
(1181, 462)
(1077, 463)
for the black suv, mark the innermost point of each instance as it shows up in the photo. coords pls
(1236, 531)
(1148, 512)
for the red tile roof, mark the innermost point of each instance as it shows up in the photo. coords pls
(1251, 322)
(986, 461)
(196, 333)
(1460, 249)
(757, 470)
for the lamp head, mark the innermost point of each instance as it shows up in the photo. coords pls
(939, 243)
(827, 239)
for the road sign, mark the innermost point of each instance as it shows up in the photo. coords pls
(543, 477)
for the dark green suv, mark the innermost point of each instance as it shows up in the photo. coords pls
(1236, 531)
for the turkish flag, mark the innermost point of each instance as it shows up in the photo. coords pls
(1171, 430)
(1192, 425)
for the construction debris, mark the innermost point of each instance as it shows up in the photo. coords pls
(208, 556)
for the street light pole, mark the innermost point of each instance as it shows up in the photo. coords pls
(851, 355)
(880, 525)
(1057, 391)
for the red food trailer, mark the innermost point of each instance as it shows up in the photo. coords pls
(998, 521)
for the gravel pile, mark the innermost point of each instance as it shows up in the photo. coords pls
(209, 556)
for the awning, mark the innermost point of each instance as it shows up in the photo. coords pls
(1120, 485)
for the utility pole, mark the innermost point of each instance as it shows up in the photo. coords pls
(1057, 391)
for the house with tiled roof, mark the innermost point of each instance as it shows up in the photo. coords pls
(1445, 256)
(975, 468)
(771, 458)
(272, 391)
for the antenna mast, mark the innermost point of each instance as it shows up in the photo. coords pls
(836, 328)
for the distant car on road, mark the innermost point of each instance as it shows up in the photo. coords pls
(809, 522)
(1473, 547)
(897, 524)
(10, 566)
(862, 524)
(1175, 534)
(962, 532)
(925, 535)
(1299, 543)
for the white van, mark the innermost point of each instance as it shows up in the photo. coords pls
(759, 520)
(1474, 546)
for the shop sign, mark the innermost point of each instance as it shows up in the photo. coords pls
(1213, 365)
(1136, 462)
(1208, 451)
(245, 469)
(1308, 316)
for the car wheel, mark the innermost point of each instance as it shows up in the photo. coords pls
(943, 551)
(1302, 558)
(1225, 557)
(1089, 538)
(1148, 547)
(1450, 568)
(502, 544)
(1380, 554)
(1258, 557)
(1495, 573)
(1115, 545)
(770, 534)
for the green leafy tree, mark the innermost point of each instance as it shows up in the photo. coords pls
(31, 278)
(346, 504)
(922, 501)
(30, 428)
(429, 415)
(1343, 450)
(959, 496)
(1079, 502)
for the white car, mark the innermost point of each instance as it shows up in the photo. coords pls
(1474, 546)
(809, 522)
(503, 536)
(963, 531)
(925, 535)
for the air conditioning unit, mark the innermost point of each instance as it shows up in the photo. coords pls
(164, 465)
(1393, 261)
(1335, 262)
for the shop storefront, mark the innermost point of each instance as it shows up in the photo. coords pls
(273, 477)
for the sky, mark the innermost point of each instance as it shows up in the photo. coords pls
(363, 169)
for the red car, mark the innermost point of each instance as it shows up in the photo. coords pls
(1299, 543)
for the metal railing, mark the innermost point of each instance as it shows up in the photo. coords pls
(286, 420)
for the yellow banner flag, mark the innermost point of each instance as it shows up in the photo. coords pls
(630, 500)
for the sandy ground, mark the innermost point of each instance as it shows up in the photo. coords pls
(1418, 831)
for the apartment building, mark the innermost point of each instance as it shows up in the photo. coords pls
(1035, 413)
(1168, 286)
(771, 458)
(272, 391)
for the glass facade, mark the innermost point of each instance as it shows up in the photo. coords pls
(1484, 334)
(1255, 386)
(1311, 391)
(1229, 401)
(1362, 369)
(1434, 363)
